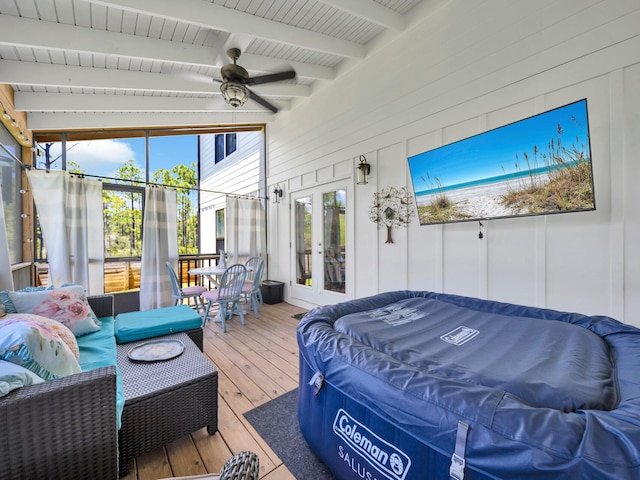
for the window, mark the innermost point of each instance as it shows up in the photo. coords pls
(122, 220)
(226, 144)
(220, 147)
(174, 161)
(10, 178)
(49, 156)
(126, 160)
(231, 143)
(220, 229)
(123, 165)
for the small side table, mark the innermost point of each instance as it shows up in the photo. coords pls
(165, 400)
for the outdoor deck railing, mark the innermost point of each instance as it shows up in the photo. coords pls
(121, 275)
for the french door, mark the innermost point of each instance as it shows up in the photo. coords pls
(320, 257)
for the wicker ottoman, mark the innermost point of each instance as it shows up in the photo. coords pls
(165, 400)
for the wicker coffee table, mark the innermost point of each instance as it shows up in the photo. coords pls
(165, 400)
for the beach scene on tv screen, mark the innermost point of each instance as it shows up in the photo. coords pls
(536, 166)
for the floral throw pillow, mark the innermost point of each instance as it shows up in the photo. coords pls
(63, 332)
(36, 347)
(67, 305)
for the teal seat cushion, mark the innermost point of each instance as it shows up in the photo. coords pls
(98, 349)
(134, 326)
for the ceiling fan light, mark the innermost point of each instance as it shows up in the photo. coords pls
(235, 94)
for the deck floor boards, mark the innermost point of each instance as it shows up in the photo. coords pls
(256, 362)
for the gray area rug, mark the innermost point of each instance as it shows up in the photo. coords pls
(277, 423)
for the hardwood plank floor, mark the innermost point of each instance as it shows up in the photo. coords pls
(256, 363)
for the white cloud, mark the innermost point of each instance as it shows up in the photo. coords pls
(98, 157)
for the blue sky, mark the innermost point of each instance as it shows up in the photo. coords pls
(104, 157)
(485, 155)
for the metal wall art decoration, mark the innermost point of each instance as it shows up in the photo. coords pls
(392, 207)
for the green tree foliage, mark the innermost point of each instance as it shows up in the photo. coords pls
(123, 215)
(185, 179)
(123, 209)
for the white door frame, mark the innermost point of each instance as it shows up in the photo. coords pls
(316, 294)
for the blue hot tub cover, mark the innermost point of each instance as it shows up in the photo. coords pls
(546, 394)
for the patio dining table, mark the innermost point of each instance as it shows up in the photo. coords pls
(213, 273)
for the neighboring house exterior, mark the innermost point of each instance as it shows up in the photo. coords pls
(240, 172)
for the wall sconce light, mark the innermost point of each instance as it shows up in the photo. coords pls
(277, 194)
(364, 169)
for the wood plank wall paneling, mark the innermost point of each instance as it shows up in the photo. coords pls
(479, 67)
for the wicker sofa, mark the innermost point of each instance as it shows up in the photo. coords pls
(63, 428)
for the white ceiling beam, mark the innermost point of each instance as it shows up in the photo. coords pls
(75, 121)
(370, 11)
(258, 63)
(78, 102)
(14, 72)
(216, 17)
(24, 32)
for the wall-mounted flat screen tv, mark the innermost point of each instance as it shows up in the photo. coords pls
(537, 166)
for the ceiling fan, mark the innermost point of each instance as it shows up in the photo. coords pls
(235, 80)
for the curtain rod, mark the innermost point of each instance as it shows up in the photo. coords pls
(101, 177)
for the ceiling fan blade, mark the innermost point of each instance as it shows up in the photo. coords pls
(257, 98)
(272, 77)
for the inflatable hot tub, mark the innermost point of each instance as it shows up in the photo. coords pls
(413, 385)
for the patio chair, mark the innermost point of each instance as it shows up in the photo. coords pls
(251, 289)
(228, 295)
(180, 294)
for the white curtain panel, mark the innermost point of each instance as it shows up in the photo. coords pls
(245, 229)
(6, 277)
(70, 213)
(159, 245)
(86, 233)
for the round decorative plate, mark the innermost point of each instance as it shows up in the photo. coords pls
(156, 350)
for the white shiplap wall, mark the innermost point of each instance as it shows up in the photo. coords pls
(461, 69)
